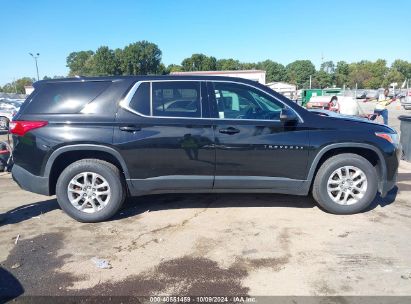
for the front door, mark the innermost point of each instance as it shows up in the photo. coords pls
(254, 149)
(164, 137)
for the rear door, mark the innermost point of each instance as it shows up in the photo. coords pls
(166, 137)
(254, 149)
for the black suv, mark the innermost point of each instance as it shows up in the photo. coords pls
(94, 141)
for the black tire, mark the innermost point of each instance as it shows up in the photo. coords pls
(4, 123)
(320, 193)
(107, 170)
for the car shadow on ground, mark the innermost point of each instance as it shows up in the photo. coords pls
(138, 205)
(25, 212)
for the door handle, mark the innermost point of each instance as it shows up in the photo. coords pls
(229, 130)
(132, 129)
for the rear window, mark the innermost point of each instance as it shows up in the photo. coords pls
(65, 97)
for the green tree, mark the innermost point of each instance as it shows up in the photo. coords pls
(228, 65)
(248, 66)
(402, 66)
(199, 62)
(79, 63)
(359, 74)
(328, 67)
(105, 62)
(393, 76)
(367, 74)
(18, 85)
(274, 71)
(22, 82)
(378, 71)
(299, 72)
(9, 88)
(140, 58)
(174, 68)
(342, 71)
(322, 79)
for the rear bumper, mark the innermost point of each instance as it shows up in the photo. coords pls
(30, 182)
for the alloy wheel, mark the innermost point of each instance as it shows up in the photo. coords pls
(347, 185)
(89, 192)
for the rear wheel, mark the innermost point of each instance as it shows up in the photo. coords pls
(90, 190)
(345, 184)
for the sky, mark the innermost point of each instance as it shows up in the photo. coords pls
(250, 31)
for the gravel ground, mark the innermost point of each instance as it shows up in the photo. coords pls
(227, 244)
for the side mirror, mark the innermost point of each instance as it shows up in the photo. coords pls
(288, 115)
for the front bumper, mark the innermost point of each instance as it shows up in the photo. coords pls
(386, 186)
(30, 182)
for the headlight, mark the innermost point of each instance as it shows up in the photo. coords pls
(391, 137)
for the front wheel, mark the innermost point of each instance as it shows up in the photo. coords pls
(90, 190)
(345, 184)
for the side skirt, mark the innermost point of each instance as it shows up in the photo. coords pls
(221, 184)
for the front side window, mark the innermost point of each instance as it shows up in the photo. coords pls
(236, 101)
(176, 99)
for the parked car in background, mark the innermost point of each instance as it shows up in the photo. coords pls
(372, 94)
(406, 102)
(94, 141)
(319, 102)
(8, 109)
(361, 94)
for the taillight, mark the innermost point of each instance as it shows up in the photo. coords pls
(21, 127)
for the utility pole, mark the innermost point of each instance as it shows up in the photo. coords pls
(310, 81)
(37, 67)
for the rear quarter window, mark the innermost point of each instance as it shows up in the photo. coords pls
(64, 97)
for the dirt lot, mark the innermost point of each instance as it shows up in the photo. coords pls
(208, 245)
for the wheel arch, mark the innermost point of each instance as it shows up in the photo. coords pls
(369, 152)
(64, 156)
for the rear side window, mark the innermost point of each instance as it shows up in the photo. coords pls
(65, 97)
(176, 99)
(141, 99)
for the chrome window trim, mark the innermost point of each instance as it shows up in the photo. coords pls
(124, 103)
(151, 99)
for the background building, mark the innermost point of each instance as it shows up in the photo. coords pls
(288, 90)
